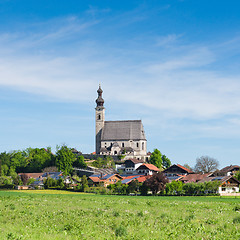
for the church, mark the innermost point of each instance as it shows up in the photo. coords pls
(119, 137)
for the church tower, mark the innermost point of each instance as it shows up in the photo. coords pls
(99, 118)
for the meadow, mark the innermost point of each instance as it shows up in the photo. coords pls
(49, 214)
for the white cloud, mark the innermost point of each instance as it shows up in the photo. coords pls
(178, 85)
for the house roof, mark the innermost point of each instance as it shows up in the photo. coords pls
(94, 178)
(195, 177)
(123, 130)
(175, 177)
(143, 178)
(229, 168)
(140, 178)
(179, 166)
(222, 179)
(134, 160)
(102, 178)
(128, 179)
(148, 166)
(32, 175)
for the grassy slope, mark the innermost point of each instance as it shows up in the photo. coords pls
(27, 215)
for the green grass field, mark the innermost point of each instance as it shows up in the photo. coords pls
(50, 214)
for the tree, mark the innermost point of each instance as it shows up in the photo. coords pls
(237, 175)
(24, 178)
(133, 186)
(80, 162)
(166, 162)
(206, 164)
(156, 158)
(64, 159)
(157, 182)
(84, 183)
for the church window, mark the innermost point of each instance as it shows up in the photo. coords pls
(137, 145)
(99, 117)
(143, 146)
(115, 152)
(122, 144)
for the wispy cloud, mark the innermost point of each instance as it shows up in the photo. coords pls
(179, 84)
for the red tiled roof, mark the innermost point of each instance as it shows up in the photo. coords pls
(184, 168)
(95, 179)
(143, 178)
(149, 166)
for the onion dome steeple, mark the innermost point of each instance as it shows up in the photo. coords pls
(99, 100)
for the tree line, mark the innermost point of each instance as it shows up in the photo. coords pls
(38, 159)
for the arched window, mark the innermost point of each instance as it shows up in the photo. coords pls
(143, 146)
(137, 145)
(122, 144)
(115, 152)
(99, 117)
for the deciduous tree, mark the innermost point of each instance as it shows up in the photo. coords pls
(156, 158)
(157, 182)
(166, 162)
(64, 159)
(206, 164)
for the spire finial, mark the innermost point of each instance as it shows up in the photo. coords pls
(99, 100)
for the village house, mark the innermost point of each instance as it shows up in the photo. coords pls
(147, 169)
(140, 178)
(176, 172)
(228, 184)
(194, 177)
(129, 166)
(227, 171)
(104, 180)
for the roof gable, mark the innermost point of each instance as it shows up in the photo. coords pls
(148, 166)
(177, 168)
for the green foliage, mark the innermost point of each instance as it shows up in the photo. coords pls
(174, 188)
(201, 188)
(29, 160)
(30, 181)
(156, 158)
(6, 182)
(64, 159)
(237, 175)
(166, 163)
(84, 184)
(118, 188)
(133, 186)
(103, 163)
(80, 162)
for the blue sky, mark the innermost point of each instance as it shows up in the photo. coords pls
(174, 64)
